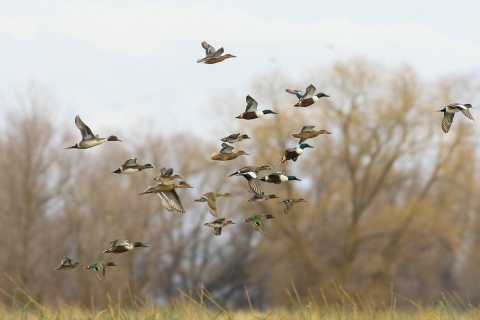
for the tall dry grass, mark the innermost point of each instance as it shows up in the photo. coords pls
(199, 304)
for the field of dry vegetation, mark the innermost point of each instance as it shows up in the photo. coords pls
(389, 231)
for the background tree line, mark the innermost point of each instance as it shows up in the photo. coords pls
(392, 200)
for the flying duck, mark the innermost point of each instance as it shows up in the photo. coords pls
(307, 132)
(88, 138)
(213, 56)
(449, 113)
(251, 111)
(218, 224)
(131, 166)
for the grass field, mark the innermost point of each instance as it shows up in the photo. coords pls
(201, 305)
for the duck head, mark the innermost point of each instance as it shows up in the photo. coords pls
(113, 138)
(305, 145)
(321, 94)
(139, 244)
(268, 111)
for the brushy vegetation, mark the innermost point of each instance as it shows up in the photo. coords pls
(201, 305)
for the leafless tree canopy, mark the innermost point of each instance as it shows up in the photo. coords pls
(391, 199)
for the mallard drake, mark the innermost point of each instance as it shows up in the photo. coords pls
(449, 113)
(226, 153)
(88, 138)
(168, 195)
(166, 175)
(121, 245)
(213, 56)
(294, 153)
(308, 98)
(261, 196)
(218, 224)
(211, 199)
(251, 174)
(288, 203)
(131, 166)
(251, 111)
(307, 132)
(278, 177)
(235, 137)
(99, 269)
(257, 222)
(67, 264)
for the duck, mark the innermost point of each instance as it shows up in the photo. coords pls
(131, 166)
(251, 174)
(288, 203)
(165, 186)
(257, 222)
(121, 245)
(294, 152)
(99, 269)
(251, 111)
(213, 56)
(166, 175)
(307, 132)
(449, 113)
(67, 264)
(226, 153)
(168, 196)
(218, 224)
(308, 98)
(211, 199)
(278, 177)
(261, 197)
(89, 140)
(235, 138)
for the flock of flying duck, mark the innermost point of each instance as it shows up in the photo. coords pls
(165, 188)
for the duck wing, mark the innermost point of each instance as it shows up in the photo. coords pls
(119, 242)
(257, 225)
(447, 121)
(226, 148)
(467, 113)
(217, 231)
(253, 182)
(307, 128)
(208, 48)
(84, 129)
(66, 261)
(218, 53)
(309, 92)
(130, 162)
(251, 104)
(173, 200)
(211, 203)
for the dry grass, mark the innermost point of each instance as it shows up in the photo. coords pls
(200, 305)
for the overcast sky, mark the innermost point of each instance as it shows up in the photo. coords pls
(120, 61)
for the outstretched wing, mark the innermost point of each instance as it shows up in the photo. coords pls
(66, 261)
(447, 121)
(171, 197)
(257, 225)
(226, 148)
(208, 48)
(211, 203)
(309, 92)
(467, 114)
(251, 104)
(130, 162)
(253, 182)
(84, 129)
(218, 53)
(119, 242)
(307, 128)
(217, 231)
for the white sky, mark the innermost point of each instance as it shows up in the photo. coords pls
(122, 61)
